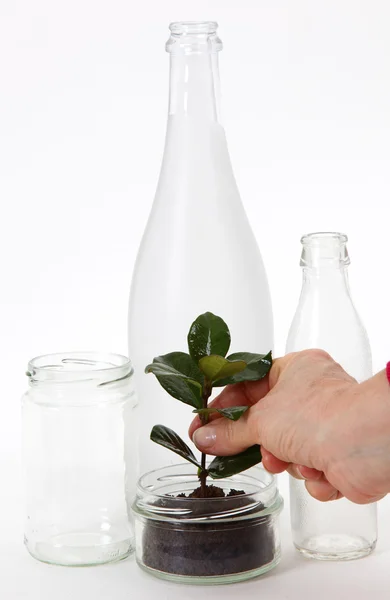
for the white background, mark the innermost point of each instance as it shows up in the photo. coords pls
(83, 100)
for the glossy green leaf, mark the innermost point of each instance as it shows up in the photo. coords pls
(226, 466)
(258, 366)
(216, 367)
(204, 411)
(169, 439)
(180, 376)
(233, 412)
(208, 334)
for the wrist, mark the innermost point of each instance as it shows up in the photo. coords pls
(359, 462)
(337, 428)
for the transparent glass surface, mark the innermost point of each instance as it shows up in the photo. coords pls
(79, 475)
(198, 251)
(326, 318)
(207, 541)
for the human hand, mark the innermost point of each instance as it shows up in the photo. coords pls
(309, 416)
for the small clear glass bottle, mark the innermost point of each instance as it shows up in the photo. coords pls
(326, 318)
(80, 473)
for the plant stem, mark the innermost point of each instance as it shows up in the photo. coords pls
(207, 389)
(203, 477)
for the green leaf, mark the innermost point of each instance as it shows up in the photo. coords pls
(180, 376)
(208, 334)
(169, 439)
(226, 466)
(216, 367)
(205, 411)
(233, 412)
(258, 366)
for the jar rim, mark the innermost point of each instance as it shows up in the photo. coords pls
(66, 367)
(164, 476)
(260, 498)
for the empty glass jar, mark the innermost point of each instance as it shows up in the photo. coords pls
(79, 473)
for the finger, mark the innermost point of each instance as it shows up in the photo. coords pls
(240, 394)
(233, 395)
(278, 366)
(271, 463)
(223, 436)
(309, 474)
(362, 498)
(195, 424)
(256, 390)
(294, 471)
(322, 490)
(365, 498)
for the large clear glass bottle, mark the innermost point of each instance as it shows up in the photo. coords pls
(198, 252)
(326, 318)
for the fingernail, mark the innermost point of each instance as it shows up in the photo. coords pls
(204, 437)
(299, 471)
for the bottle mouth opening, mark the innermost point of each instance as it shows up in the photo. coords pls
(193, 37)
(324, 238)
(324, 249)
(193, 27)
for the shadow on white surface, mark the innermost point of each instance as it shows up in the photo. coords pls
(295, 578)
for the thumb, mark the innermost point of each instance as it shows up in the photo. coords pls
(223, 436)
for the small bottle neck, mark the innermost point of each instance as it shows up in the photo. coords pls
(194, 73)
(324, 251)
(326, 279)
(325, 260)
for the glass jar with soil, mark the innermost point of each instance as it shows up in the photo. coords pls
(229, 536)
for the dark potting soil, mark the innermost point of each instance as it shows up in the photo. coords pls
(209, 549)
(212, 491)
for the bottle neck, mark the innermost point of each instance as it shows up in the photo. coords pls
(194, 86)
(326, 316)
(325, 262)
(196, 170)
(327, 279)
